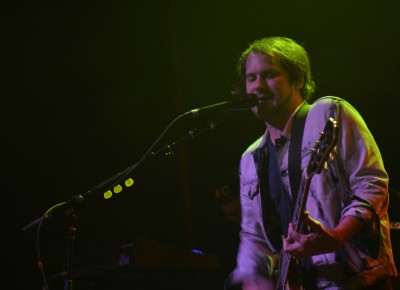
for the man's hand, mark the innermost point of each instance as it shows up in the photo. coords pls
(319, 240)
(259, 284)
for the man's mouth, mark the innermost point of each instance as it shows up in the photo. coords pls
(264, 99)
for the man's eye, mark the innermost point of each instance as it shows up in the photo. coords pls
(250, 78)
(270, 75)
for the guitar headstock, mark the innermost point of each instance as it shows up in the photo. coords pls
(323, 147)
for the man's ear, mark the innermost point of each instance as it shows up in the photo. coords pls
(300, 83)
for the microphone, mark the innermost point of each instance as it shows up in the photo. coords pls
(238, 103)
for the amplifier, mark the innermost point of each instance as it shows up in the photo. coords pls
(148, 253)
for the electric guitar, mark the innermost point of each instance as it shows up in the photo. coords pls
(288, 280)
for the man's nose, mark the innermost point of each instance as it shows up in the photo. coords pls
(259, 83)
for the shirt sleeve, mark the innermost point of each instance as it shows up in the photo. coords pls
(362, 162)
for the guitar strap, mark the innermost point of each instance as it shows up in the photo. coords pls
(296, 138)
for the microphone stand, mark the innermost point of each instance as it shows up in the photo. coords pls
(70, 257)
(69, 206)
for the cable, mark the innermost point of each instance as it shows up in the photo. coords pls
(38, 255)
(129, 170)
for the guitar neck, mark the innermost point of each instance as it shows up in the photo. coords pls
(320, 155)
(301, 202)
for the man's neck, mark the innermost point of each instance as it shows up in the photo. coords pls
(277, 126)
(274, 133)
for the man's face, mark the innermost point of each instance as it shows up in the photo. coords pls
(270, 82)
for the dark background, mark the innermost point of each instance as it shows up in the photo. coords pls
(88, 86)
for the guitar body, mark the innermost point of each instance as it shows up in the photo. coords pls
(289, 278)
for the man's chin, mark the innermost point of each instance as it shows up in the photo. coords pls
(262, 111)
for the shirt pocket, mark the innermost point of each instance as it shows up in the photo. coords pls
(326, 183)
(250, 189)
(251, 205)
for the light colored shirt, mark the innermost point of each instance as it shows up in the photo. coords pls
(354, 183)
